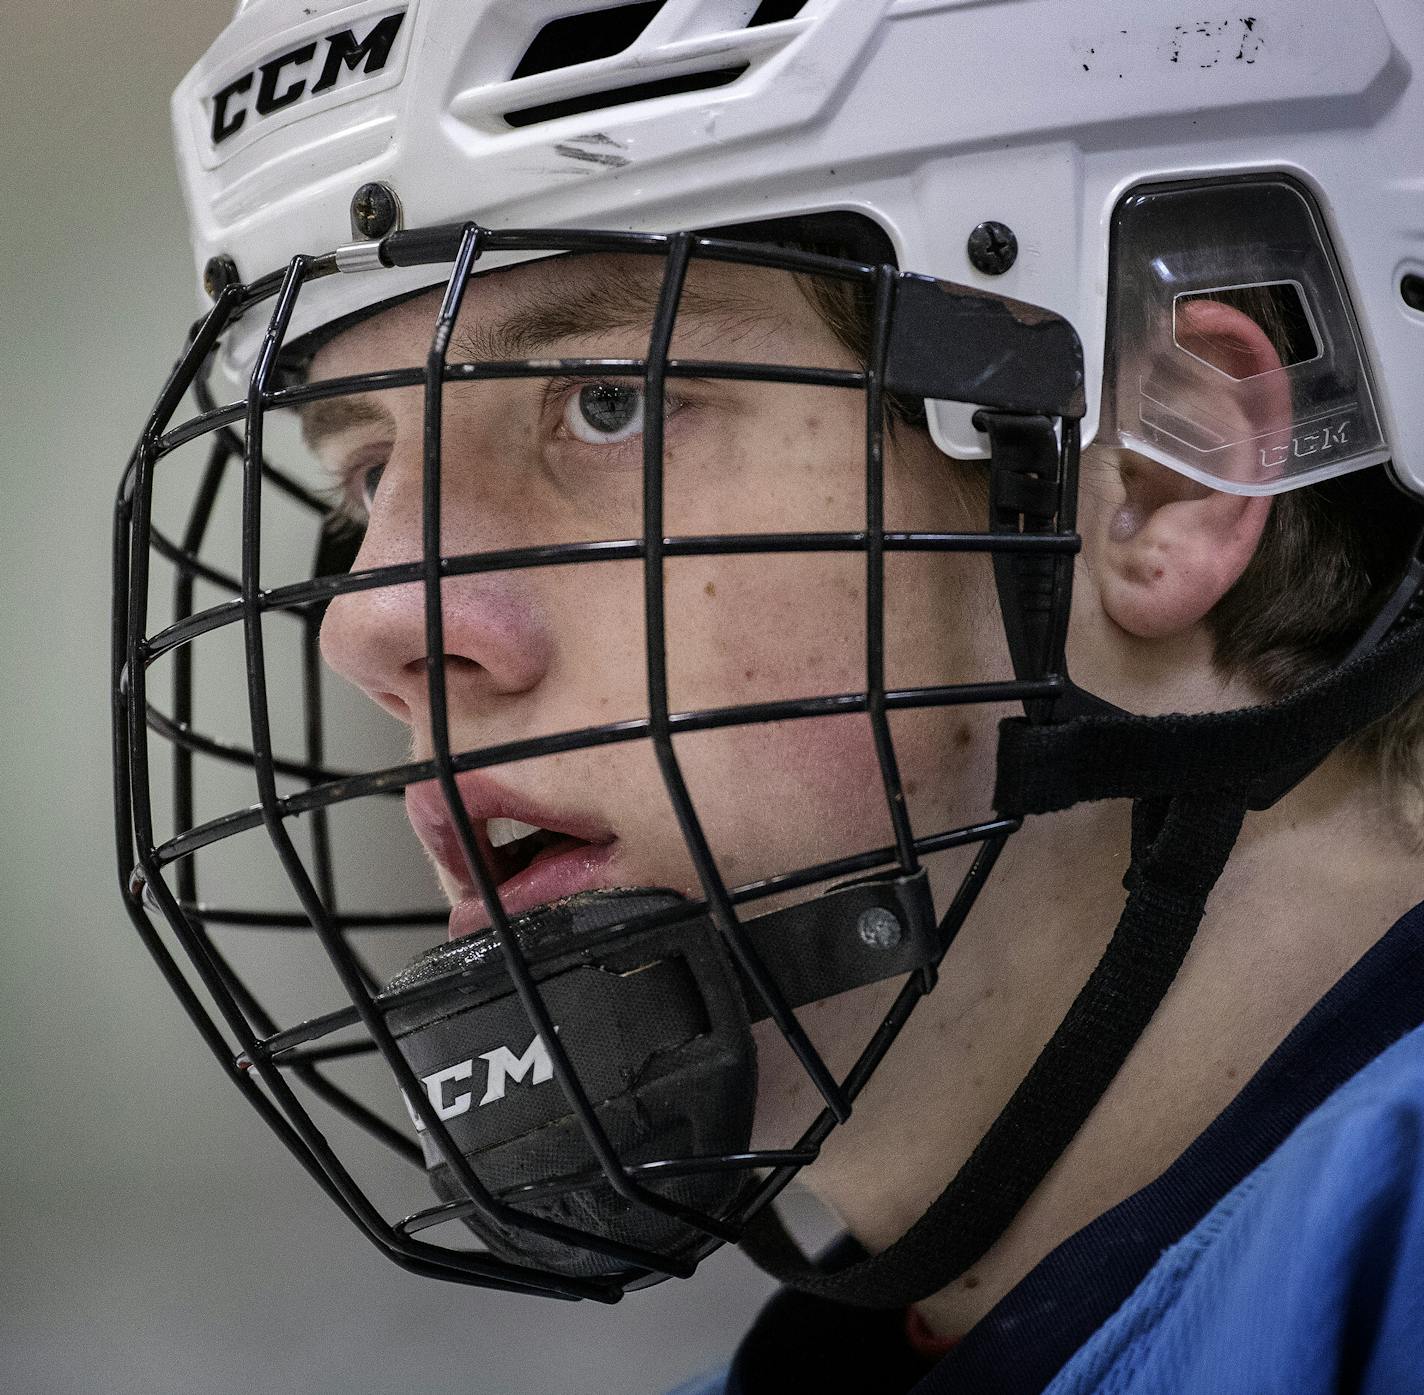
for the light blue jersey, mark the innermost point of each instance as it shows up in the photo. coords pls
(1308, 1279)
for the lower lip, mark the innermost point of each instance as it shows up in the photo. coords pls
(584, 868)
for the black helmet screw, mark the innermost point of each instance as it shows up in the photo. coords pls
(218, 275)
(375, 210)
(1412, 289)
(993, 248)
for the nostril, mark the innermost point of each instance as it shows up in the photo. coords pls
(397, 707)
(454, 664)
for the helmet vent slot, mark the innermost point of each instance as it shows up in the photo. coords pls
(574, 39)
(774, 11)
(618, 96)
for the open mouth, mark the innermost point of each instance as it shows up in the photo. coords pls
(533, 856)
(533, 870)
(516, 846)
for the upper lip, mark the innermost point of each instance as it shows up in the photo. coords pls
(484, 799)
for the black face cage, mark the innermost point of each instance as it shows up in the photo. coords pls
(929, 340)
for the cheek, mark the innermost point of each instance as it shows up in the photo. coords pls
(825, 769)
(783, 796)
(764, 629)
(788, 794)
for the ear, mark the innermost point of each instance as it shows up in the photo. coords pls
(1173, 547)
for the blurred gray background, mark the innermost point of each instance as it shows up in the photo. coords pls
(155, 1239)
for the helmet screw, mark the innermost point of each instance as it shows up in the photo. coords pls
(218, 275)
(879, 928)
(993, 248)
(1412, 289)
(375, 210)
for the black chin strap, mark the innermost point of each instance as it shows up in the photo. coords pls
(1192, 779)
(1178, 850)
(1046, 768)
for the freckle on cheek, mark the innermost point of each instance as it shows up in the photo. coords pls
(963, 737)
(709, 589)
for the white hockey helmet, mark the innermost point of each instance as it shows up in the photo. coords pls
(1032, 121)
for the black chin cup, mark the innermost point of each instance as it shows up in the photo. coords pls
(657, 1027)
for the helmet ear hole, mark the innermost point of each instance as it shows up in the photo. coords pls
(1278, 311)
(1193, 387)
(1224, 367)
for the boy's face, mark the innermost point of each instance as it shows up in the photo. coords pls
(551, 649)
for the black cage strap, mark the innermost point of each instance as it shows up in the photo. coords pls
(1045, 768)
(1025, 494)
(1179, 848)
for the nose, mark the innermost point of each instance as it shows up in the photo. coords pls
(497, 644)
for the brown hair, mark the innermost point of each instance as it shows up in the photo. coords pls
(1329, 556)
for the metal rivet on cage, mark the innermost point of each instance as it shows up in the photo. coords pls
(880, 928)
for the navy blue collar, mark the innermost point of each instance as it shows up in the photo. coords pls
(800, 1343)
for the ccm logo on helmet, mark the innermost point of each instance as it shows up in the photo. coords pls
(448, 1100)
(283, 80)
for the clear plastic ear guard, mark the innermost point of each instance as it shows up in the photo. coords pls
(1233, 355)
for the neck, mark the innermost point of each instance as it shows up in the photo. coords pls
(1312, 884)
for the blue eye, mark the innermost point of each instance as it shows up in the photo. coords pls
(600, 414)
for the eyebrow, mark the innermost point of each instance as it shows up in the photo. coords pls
(620, 299)
(329, 416)
(617, 298)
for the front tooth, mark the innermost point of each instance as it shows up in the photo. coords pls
(502, 832)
